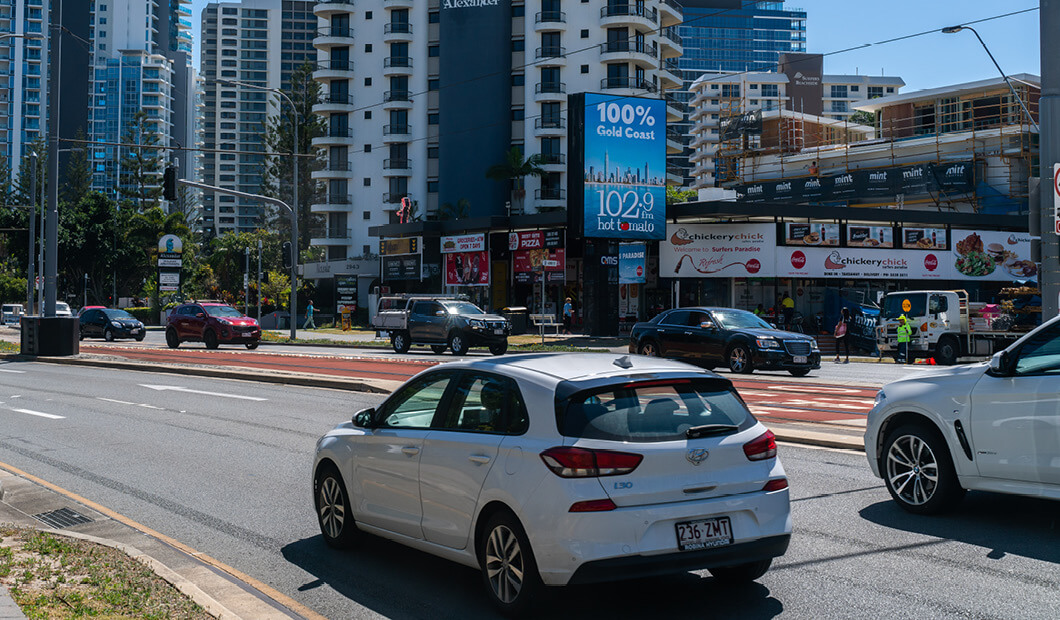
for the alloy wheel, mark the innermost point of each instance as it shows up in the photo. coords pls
(331, 506)
(649, 350)
(504, 564)
(738, 359)
(912, 470)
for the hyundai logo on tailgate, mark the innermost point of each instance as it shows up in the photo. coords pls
(696, 456)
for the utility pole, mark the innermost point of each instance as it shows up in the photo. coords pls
(51, 225)
(31, 276)
(1049, 139)
(246, 281)
(259, 281)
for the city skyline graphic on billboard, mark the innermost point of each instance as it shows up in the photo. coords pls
(625, 167)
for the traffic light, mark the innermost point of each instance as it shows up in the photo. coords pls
(287, 256)
(169, 184)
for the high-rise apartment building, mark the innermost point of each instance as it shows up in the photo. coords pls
(749, 38)
(27, 64)
(423, 96)
(258, 42)
(140, 62)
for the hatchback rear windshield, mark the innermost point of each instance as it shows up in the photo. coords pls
(654, 411)
(222, 311)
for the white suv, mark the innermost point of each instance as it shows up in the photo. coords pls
(992, 427)
(560, 469)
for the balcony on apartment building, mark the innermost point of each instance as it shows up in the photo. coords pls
(550, 20)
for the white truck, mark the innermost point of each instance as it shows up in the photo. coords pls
(945, 326)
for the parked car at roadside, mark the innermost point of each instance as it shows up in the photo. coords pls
(440, 323)
(87, 308)
(556, 469)
(11, 314)
(987, 427)
(63, 309)
(110, 324)
(211, 323)
(712, 337)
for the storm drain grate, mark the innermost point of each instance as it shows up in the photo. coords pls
(62, 518)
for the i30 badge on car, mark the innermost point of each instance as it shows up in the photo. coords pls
(696, 456)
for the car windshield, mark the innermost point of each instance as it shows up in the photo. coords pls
(222, 311)
(655, 412)
(113, 313)
(62, 307)
(462, 307)
(910, 305)
(739, 319)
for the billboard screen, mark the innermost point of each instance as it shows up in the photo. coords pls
(624, 160)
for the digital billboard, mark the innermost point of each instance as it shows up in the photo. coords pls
(624, 161)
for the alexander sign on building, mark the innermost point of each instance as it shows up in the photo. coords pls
(468, 4)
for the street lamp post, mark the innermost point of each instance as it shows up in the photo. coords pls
(31, 276)
(294, 202)
(246, 281)
(259, 281)
(955, 29)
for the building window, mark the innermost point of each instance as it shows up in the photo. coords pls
(432, 51)
(367, 48)
(585, 68)
(875, 91)
(432, 152)
(368, 15)
(518, 79)
(518, 45)
(433, 84)
(518, 10)
(367, 215)
(367, 181)
(368, 115)
(753, 87)
(839, 91)
(432, 118)
(367, 148)
(367, 81)
(518, 114)
(585, 33)
(770, 90)
(432, 187)
(890, 89)
(854, 88)
(434, 17)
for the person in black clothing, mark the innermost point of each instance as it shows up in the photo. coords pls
(842, 335)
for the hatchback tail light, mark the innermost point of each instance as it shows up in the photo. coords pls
(594, 505)
(776, 485)
(568, 462)
(762, 448)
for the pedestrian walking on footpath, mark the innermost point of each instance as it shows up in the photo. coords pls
(905, 334)
(789, 309)
(842, 335)
(568, 315)
(309, 324)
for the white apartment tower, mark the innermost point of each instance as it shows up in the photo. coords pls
(422, 96)
(23, 77)
(258, 42)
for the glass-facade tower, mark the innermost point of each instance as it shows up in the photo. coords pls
(750, 38)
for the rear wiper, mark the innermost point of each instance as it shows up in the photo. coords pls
(710, 429)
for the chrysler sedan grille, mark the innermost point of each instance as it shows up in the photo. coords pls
(797, 347)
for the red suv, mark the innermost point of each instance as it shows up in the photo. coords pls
(212, 324)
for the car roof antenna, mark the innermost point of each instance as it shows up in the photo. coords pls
(623, 362)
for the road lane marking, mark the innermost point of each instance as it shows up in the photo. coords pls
(111, 400)
(257, 584)
(20, 372)
(39, 414)
(176, 388)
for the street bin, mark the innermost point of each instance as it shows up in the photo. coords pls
(51, 336)
(517, 316)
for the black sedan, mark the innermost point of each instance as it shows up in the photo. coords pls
(712, 337)
(109, 324)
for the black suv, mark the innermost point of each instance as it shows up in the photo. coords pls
(712, 337)
(441, 323)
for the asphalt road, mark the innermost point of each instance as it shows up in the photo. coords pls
(230, 476)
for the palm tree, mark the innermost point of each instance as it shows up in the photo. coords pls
(461, 211)
(514, 170)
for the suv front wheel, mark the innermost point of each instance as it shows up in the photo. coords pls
(917, 470)
(172, 340)
(458, 343)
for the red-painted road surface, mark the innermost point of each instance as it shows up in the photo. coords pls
(792, 401)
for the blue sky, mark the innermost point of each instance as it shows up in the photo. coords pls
(924, 62)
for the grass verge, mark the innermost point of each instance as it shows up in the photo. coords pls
(52, 576)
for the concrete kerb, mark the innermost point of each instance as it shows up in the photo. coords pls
(215, 372)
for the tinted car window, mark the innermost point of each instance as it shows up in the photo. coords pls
(415, 406)
(92, 316)
(115, 314)
(223, 311)
(424, 308)
(697, 318)
(488, 404)
(463, 307)
(677, 317)
(739, 319)
(1041, 353)
(652, 413)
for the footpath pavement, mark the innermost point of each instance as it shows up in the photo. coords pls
(805, 412)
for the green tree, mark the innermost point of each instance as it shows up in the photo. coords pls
(77, 176)
(8, 194)
(277, 171)
(141, 167)
(513, 170)
(861, 117)
(675, 195)
(461, 211)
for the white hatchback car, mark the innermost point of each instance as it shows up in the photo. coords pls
(555, 469)
(991, 427)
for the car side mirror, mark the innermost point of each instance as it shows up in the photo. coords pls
(364, 418)
(440, 313)
(707, 325)
(999, 364)
(200, 315)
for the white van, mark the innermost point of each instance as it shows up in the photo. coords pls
(11, 314)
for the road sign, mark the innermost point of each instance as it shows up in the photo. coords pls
(171, 278)
(1056, 198)
(170, 262)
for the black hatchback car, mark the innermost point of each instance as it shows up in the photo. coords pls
(109, 324)
(712, 337)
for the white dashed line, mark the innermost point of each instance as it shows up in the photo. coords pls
(39, 414)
